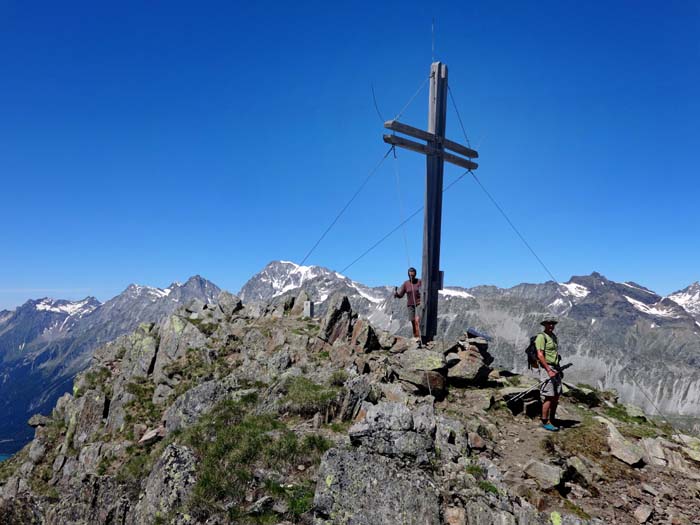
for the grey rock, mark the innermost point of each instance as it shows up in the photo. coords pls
(471, 366)
(620, 447)
(423, 369)
(643, 513)
(194, 403)
(547, 476)
(349, 482)
(167, 486)
(392, 429)
(653, 452)
(357, 390)
(38, 420)
(338, 320)
(229, 304)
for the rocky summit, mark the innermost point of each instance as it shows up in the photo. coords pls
(225, 413)
(619, 335)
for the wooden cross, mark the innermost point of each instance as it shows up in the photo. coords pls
(435, 151)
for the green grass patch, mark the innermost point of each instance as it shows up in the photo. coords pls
(574, 509)
(338, 378)
(141, 409)
(98, 379)
(620, 413)
(231, 442)
(476, 470)
(487, 487)
(305, 397)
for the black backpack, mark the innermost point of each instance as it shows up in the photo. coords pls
(531, 351)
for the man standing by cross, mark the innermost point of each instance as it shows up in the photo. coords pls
(435, 153)
(411, 289)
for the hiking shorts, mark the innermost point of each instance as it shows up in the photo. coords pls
(412, 311)
(552, 387)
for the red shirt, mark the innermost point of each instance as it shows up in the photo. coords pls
(412, 291)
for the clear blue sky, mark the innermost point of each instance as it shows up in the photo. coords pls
(150, 141)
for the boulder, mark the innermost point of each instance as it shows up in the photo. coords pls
(229, 304)
(547, 476)
(194, 403)
(423, 369)
(472, 366)
(38, 420)
(653, 452)
(152, 435)
(392, 429)
(363, 336)
(359, 488)
(620, 447)
(357, 390)
(643, 513)
(167, 486)
(337, 322)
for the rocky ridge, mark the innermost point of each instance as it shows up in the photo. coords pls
(620, 335)
(45, 342)
(224, 413)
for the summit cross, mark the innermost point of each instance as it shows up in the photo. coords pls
(435, 151)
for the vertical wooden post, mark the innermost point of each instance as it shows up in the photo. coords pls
(430, 274)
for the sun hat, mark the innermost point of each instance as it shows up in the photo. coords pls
(548, 320)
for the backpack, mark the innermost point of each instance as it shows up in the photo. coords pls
(531, 351)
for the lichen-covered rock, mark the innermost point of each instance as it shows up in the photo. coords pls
(197, 401)
(356, 390)
(96, 500)
(392, 429)
(355, 487)
(167, 486)
(470, 366)
(21, 510)
(423, 369)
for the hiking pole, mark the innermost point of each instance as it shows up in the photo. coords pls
(538, 386)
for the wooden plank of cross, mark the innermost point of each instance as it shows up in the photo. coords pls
(435, 149)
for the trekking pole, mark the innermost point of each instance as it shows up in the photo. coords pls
(523, 394)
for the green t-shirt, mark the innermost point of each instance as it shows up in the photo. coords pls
(549, 346)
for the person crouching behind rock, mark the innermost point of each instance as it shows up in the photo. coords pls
(411, 289)
(548, 356)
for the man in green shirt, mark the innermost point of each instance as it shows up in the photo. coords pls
(548, 356)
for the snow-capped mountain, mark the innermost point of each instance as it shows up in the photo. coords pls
(280, 277)
(45, 342)
(618, 335)
(689, 299)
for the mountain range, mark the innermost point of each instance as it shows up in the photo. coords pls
(618, 335)
(45, 342)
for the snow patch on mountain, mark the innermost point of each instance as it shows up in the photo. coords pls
(575, 290)
(79, 308)
(689, 298)
(641, 289)
(650, 309)
(448, 292)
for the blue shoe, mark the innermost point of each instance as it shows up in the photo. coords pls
(550, 427)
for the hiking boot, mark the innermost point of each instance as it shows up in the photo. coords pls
(550, 427)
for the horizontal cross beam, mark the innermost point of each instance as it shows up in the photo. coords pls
(429, 150)
(400, 127)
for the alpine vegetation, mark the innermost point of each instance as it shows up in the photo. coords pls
(224, 413)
